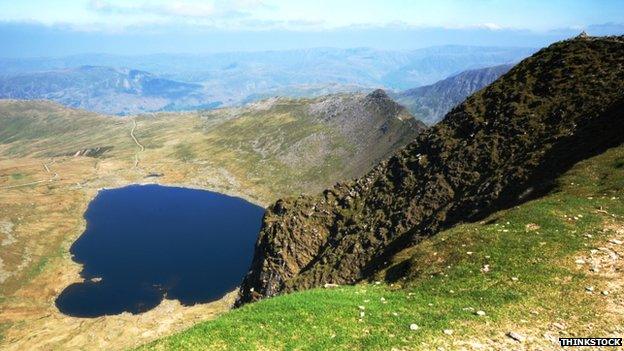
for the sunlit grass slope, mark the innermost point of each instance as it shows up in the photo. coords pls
(544, 269)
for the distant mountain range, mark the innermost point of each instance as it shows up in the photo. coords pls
(104, 89)
(178, 82)
(431, 102)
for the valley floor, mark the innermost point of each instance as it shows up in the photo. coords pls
(42, 202)
(518, 280)
(48, 218)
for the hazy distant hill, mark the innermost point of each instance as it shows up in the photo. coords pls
(272, 69)
(229, 79)
(431, 102)
(103, 89)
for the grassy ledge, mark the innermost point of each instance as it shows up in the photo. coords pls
(543, 269)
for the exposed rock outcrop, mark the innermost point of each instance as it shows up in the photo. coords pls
(91, 152)
(501, 146)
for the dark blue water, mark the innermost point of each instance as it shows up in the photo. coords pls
(152, 242)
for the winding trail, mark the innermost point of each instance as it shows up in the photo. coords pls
(136, 141)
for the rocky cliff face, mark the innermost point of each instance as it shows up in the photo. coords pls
(374, 124)
(431, 102)
(501, 146)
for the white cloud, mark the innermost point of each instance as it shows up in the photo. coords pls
(189, 9)
(179, 8)
(490, 26)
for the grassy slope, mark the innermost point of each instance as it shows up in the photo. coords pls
(238, 144)
(46, 129)
(533, 282)
(287, 150)
(271, 153)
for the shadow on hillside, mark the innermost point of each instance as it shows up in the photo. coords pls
(592, 138)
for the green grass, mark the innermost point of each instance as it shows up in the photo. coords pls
(17, 176)
(184, 152)
(47, 129)
(530, 250)
(3, 328)
(41, 263)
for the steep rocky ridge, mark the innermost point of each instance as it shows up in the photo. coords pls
(373, 123)
(502, 146)
(431, 102)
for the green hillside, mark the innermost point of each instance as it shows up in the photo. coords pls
(534, 284)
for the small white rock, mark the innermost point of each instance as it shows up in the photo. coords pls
(480, 313)
(413, 326)
(616, 241)
(605, 293)
(589, 288)
(516, 336)
(559, 326)
(448, 331)
(580, 261)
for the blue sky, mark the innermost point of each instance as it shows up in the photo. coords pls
(318, 14)
(37, 27)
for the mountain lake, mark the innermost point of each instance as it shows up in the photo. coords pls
(145, 243)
